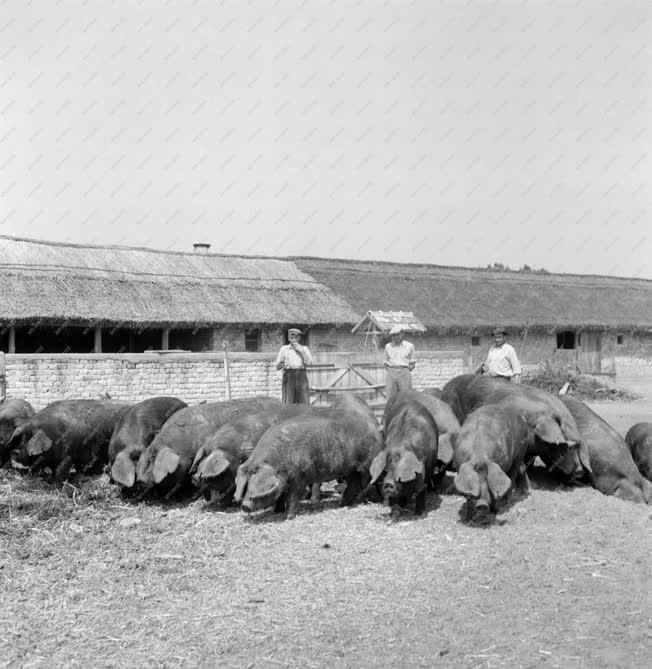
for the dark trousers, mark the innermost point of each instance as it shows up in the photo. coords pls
(296, 389)
(398, 379)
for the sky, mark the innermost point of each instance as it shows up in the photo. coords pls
(455, 133)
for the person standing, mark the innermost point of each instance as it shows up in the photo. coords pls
(293, 358)
(399, 362)
(502, 361)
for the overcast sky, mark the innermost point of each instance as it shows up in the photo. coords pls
(459, 133)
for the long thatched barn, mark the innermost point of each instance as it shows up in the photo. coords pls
(73, 298)
(590, 320)
(67, 297)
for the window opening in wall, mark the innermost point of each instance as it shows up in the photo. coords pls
(566, 339)
(252, 340)
(475, 341)
(620, 339)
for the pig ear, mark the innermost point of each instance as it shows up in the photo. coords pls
(377, 466)
(241, 480)
(499, 483)
(124, 470)
(445, 449)
(548, 430)
(39, 443)
(214, 465)
(166, 463)
(408, 467)
(583, 453)
(467, 480)
(198, 458)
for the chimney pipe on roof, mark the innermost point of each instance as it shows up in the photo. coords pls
(201, 247)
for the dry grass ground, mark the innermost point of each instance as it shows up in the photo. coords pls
(88, 578)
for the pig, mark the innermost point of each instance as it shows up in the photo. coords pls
(639, 440)
(216, 462)
(454, 390)
(350, 402)
(134, 432)
(447, 423)
(566, 454)
(306, 450)
(489, 454)
(165, 463)
(614, 470)
(67, 433)
(410, 454)
(13, 412)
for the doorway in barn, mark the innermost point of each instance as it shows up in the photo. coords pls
(589, 354)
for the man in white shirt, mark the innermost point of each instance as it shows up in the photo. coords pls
(293, 358)
(399, 362)
(502, 362)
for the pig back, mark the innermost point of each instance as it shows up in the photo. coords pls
(440, 411)
(639, 441)
(495, 432)
(318, 444)
(609, 455)
(138, 426)
(412, 426)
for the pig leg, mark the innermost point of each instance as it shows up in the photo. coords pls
(293, 496)
(470, 509)
(280, 505)
(352, 490)
(62, 471)
(227, 496)
(420, 502)
(315, 494)
(523, 479)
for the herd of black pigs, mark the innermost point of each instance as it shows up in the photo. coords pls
(260, 453)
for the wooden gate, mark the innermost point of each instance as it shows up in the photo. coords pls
(588, 357)
(360, 373)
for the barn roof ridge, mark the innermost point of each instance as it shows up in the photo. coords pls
(497, 273)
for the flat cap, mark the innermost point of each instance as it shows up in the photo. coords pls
(397, 329)
(498, 331)
(294, 331)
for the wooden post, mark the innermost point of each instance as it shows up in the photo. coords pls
(12, 340)
(165, 339)
(97, 346)
(215, 339)
(3, 378)
(227, 378)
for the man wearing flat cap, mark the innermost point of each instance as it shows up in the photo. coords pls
(502, 362)
(293, 358)
(399, 362)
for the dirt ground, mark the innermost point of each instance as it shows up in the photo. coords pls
(88, 578)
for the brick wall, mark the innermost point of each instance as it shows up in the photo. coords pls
(435, 368)
(42, 379)
(192, 377)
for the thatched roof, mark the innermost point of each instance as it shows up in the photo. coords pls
(384, 321)
(450, 298)
(136, 286)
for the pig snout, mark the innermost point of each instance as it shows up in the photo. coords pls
(17, 459)
(482, 505)
(389, 488)
(246, 506)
